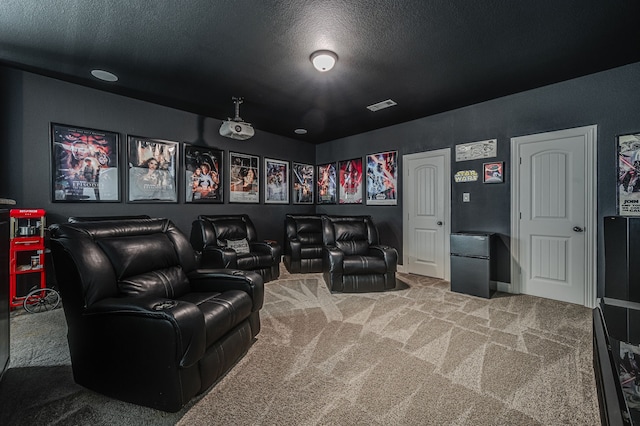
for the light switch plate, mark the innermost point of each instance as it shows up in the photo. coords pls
(466, 197)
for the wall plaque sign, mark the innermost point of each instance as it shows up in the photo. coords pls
(476, 150)
(465, 176)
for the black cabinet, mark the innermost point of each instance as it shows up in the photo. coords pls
(4, 290)
(473, 263)
(622, 258)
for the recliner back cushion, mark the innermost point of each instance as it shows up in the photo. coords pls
(351, 237)
(309, 230)
(230, 229)
(145, 265)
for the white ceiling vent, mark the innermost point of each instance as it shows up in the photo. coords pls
(381, 105)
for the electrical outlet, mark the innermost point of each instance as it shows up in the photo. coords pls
(466, 197)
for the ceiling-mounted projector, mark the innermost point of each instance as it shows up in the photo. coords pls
(236, 128)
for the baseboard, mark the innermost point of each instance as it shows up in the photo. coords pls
(400, 268)
(504, 287)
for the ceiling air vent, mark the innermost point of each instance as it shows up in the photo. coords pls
(381, 105)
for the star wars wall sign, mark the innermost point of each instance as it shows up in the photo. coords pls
(465, 176)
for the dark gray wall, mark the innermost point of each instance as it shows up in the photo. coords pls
(610, 99)
(31, 102)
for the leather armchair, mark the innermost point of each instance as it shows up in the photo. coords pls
(144, 324)
(354, 261)
(303, 243)
(231, 241)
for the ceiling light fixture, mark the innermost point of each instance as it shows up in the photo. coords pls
(104, 75)
(300, 131)
(323, 60)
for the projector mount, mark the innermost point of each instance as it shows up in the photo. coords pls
(237, 101)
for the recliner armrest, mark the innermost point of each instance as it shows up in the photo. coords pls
(187, 328)
(294, 247)
(218, 257)
(334, 257)
(389, 254)
(271, 248)
(221, 280)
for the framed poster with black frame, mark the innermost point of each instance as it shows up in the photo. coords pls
(153, 170)
(326, 184)
(203, 172)
(84, 165)
(276, 181)
(303, 183)
(629, 174)
(382, 178)
(244, 178)
(350, 178)
(493, 172)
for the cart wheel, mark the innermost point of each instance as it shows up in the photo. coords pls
(40, 300)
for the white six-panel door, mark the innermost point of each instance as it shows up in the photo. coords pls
(426, 206)
(554, 214)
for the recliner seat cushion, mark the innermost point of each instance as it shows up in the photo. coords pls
(222, 311)
(363, 265)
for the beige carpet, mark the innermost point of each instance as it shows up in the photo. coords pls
(420, 356)
(417, 356)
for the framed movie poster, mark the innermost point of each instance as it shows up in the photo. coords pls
(326, 185)
(84, 164)
(493, 172)
(276, 181)
(350, 189)
(382, 169)
(303, 183)
(203, 174)
(153, 170)
(629, 174)
(244, 178)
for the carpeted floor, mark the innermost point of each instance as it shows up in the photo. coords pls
(421, 355)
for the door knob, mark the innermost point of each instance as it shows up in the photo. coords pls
(577, 229)
(439, 223)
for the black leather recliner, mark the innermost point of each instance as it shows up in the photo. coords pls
(144, 324)
(353, 259)
(231, 241)
(303, 243)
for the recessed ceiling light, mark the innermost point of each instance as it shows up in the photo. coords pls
(104, 75)
(301, 131)
(323, 60)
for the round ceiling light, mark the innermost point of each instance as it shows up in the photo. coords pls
(104, 75)
(323, 60)
(300, 131)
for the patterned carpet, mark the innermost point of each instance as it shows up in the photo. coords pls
(420, 355)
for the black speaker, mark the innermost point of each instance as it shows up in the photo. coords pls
(622, 258)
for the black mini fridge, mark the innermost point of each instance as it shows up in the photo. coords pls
(473, 263)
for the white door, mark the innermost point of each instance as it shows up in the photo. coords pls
(426, 206)
(556, 217)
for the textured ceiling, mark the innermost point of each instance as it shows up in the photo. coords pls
(428, 55)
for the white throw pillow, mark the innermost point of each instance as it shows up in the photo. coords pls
(240, 246)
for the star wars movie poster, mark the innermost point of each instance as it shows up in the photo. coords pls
(382, 180)
(350, 189)
(327, 184)
(203, 174)
(244, 184)
(85, 164)
(629, 175)
(303, 184)
(276, 181)
(152, 170)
